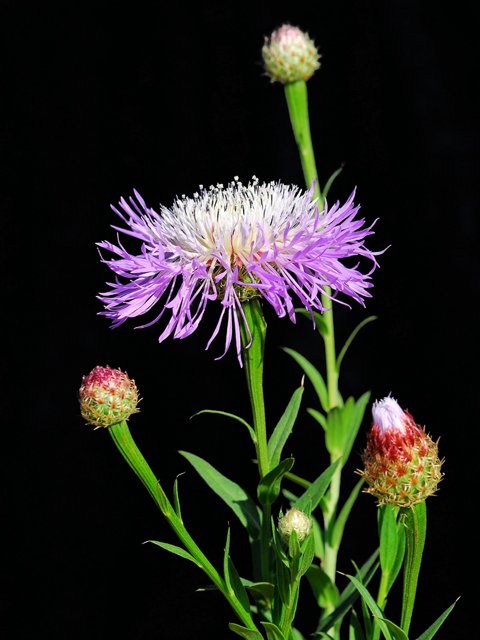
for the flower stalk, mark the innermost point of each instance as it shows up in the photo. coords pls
(123, 439)
(415, 529)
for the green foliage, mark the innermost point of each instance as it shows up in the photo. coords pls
(273, 632)
(176, 550)
(355, 630)
(315, 492)
(326, 188)
(387, 520)
(236, 498)
(230, 415)
(248, 634)
(343, 424)
(415, 519)
(232, 579)
(350, 594)
(372, 605)
(324, 590)
(269, 486)
(320, 323)
(349, 341)
(313, 375)
(432, 630)
(262, 592)
(337, 530)
(284, 428)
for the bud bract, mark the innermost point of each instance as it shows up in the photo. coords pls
(107, 396)
(294, 520)
(290, 55)
(401, 461)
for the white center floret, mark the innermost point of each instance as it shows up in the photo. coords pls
(388, 415)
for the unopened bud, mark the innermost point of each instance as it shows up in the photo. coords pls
(401, 461)
(107, 396)
(294, 520)
(290, 55)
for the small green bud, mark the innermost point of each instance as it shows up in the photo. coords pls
(107, 396)
(295, 520)
(290, 55)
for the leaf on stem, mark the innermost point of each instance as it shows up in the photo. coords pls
(230, 415)
(350, 340)
(372, 605)
(269, 486)
(320, 323)
(177, 550)
(315, 493)
(324, 590)
(313, 375)
(248, 634)
(237, 499)
(340, 522)
(355, 630)
(432, 630)
(283, 429)
(326, 188)
(273, 632)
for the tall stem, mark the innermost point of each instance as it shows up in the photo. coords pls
(253, 355)
(415, 530)
(132, 454)
(297, 101)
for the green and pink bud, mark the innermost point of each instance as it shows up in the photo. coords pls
(107, 396)
(290, 55)
(294, 520)
(401, 461)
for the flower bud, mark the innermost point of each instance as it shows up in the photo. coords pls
(401, 461)
(107, 396)
(290, 55)
(294, 520)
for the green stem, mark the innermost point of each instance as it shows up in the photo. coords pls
(415, 530)
(123, 439)
(253, 357)
(291, 610)
(297, 100)
(331, 552)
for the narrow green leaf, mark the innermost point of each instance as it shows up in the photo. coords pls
(355, 630)
(176, 499)
(308, 552)
(320, 323)
(372, 605)
(325, 592)
(297, 635)
(349, 595)
(350, 340)
(397, 565)
(248, 634)
(318, 537)
(432, 630)
(269, 486)
(322, 635)
(397, 633)
(177, 550)
(230, 415)
(225, 563)
(314, 376)
(388, 536)
(319, 417)
(273, 632)
(262, 592)
(315, 493)
(236, 498)
(415, 519)
(340, 522)
(355, 424)
(284, 428)
(337, 419)
(238, 587)
(326, 188)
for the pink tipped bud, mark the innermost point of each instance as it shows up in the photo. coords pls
(294, 520)
(290, 55)
(107, 396)
(401, 461)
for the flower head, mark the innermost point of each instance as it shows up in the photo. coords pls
(290, 55)
(107, 396)
(231, 244)
(295, 520)
(401, 461)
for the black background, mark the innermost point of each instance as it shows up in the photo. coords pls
(101, 98)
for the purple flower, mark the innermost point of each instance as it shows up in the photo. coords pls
(231, 244)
